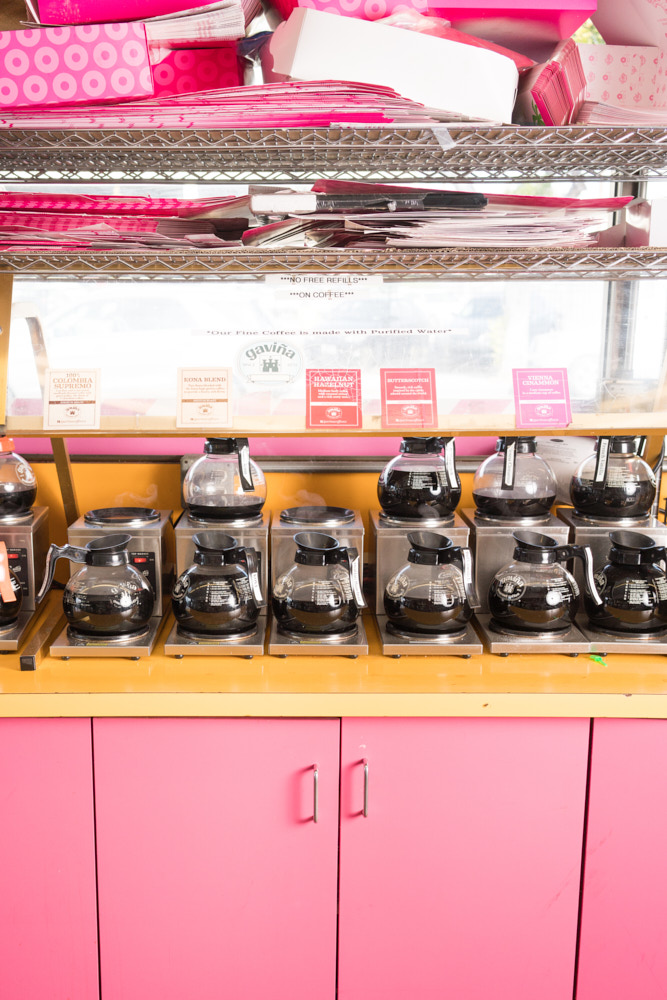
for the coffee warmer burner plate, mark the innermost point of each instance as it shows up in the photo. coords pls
(602, 643)
(571, 642)
(465, 643)
(180, 643)
(281, 644)
(133, 647)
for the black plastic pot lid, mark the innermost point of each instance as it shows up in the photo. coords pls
(122, 516)
(317, 515)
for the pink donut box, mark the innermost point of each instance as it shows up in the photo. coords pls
(558, 18)
(74, 65)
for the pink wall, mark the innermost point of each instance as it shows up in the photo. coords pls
(259, 446)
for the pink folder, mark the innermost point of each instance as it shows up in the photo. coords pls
(99, 11)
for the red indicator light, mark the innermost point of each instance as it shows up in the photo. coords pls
(139, 559)
(12, 555)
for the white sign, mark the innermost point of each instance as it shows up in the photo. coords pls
(323, 287)
(72, 399)
(204, 397)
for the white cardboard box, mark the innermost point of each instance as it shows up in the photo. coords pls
(450, 76)
(646, 224)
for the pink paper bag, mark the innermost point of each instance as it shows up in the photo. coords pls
(74, 65)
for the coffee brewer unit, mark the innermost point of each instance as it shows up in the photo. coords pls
(224, 491)
(317, 599)
(534, 599)
(613, 491)
(24, 531)
(513, 490)
(418, 490)
(218, 602)
(429, 602)
(108, 603)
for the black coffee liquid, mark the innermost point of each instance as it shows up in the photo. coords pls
(596, 500)
(495, 504)
(532, 612)
(242, 507)
(298, 614)
(9, 610)
(16, 501)
(418, 494)
(101, 614)
(634, 600)
(414, 614)
(214, 604)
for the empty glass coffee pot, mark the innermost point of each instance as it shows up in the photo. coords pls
(515, 482)
(108, 598)
(320, 595)
(225, 484)
(433, 594)
(220, 594)
(535, 593)
(632, 585)
(613, 482)
(422, 482)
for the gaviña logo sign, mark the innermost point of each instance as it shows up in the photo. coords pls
(269, 360)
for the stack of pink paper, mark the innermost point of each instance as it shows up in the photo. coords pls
(316, 103)
(552, 93)
(30, 220)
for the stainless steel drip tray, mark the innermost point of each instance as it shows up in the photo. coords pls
(133, 647)
(571, 642)
(466, 643)
(247, 646)
(286, 645)
(10, 639)
(604, 642)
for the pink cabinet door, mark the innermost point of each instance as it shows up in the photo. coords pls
(624, 912)
(48, 915)
(463, 878)
(215, 883)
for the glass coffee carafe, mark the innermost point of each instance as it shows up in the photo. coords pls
(434, 593)
(220, 594)
(535, 593)
(18, 487)
(632, 585)
(422, 482)
(108, 598)
(320, 595)
(614, 482)
(515, 482)
(225, 484)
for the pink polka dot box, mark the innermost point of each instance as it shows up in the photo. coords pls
(80, 64)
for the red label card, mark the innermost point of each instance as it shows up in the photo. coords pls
(333, 397)
(408, 397)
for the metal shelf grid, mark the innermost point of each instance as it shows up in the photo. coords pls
(502, 265)
(298, 154)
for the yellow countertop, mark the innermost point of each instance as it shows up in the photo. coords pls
(373, 685)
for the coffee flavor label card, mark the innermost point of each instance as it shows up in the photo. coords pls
(204, 397)
(72, 399)
(333, 397)
(408, 397)
(541, 397)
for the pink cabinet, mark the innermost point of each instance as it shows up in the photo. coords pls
(624, 910)
(463, 878)
(48, 919)
(214, 879)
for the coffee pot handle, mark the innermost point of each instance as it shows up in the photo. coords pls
(468, 579)
(351, 561)
(252, 562)
(56, 552)
(583, 552)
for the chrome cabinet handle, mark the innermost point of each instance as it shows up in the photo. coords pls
(365, 763)
(316, 793)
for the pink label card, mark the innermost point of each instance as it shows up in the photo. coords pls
(408, 397)
(541, 397)
(333, 397)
